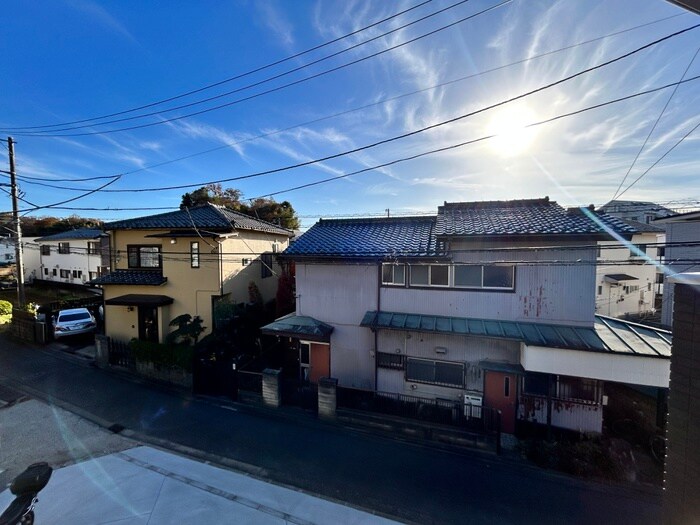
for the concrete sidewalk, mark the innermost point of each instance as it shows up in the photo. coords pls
(145, 485)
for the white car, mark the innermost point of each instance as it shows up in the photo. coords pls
(73, 322)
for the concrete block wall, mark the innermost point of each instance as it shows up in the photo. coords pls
(682, 476)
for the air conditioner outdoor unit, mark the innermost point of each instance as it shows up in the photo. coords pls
(472, 406)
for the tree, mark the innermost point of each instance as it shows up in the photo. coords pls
(188, 329)
(265, 209)
(285, 300)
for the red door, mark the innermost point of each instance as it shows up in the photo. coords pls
(500, 393)
(320, 362)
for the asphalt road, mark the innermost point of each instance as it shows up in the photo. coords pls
(401, 480)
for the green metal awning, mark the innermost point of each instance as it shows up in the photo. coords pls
(606, 334)
(300, 327)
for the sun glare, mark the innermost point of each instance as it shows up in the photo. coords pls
(511, 135)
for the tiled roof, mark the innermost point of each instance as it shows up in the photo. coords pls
(643, 228)
(135, 277)
(389, 237)
(523, 217)
(83, 233)
(206, 216)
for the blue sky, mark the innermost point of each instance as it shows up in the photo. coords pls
(70, 60)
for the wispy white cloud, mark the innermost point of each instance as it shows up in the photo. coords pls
(100, 15)
(275, 20)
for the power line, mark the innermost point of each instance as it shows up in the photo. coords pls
(412, 157)
(430, 127)
(660, 159)
(27, 178)
(473, 141)
(651, 131)
(272, 90)
(235, 77)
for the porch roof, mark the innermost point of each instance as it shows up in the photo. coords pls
(138, 299)
(299, 326)
(606, 335)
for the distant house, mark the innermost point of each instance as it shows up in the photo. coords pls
(626, 275)
(70, 257)
(639, 211)
(185, 262)
(682, 253)
(486, 303)
(7, 250)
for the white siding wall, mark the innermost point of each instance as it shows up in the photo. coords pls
(678, 232)
(461, 349)
(612, 300)
(340, 295)
(544, 293)
(77, 259)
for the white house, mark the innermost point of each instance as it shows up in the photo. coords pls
(638, 211)
(492, 303)
(682, 253)
(7, 250)
(72, 257)
(626, 275)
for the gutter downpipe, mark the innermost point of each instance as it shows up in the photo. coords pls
(376, 335)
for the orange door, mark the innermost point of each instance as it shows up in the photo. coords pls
(320, 362)
(500, 393)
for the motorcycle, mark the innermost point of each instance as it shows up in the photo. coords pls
(26, 486)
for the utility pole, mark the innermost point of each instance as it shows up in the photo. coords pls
(19, 261)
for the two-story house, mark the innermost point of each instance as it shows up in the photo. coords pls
(185, 262)
(70, 257)
(626, 275)
(492, 303)
(7, 250)
(682, 253)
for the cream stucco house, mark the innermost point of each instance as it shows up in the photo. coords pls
(185, 262)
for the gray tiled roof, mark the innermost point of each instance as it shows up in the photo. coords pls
(643, 228)
(523, 217)
(206, 216)
(83, 233)
(135, 277)
(389, 237)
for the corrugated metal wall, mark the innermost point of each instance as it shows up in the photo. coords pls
(678, 232)
(461, 349)
(557, 294)
(567, 414)
(340, 295)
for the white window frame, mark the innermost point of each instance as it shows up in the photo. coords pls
(482, 287)
(429, 284)
(393, 267)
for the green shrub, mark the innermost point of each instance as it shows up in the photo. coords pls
(5, 307)
(180, 356)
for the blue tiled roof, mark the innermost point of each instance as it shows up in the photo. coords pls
(206, 216)
(83, 233)
(421, 236)
(389, 237)
(524, 217)
(135, 277)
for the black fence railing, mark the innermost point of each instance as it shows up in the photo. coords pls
(121, 355)
(475, 418)
(250, 381)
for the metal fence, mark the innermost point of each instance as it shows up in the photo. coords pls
(121, 355)
(250, 381)
(469, 417)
